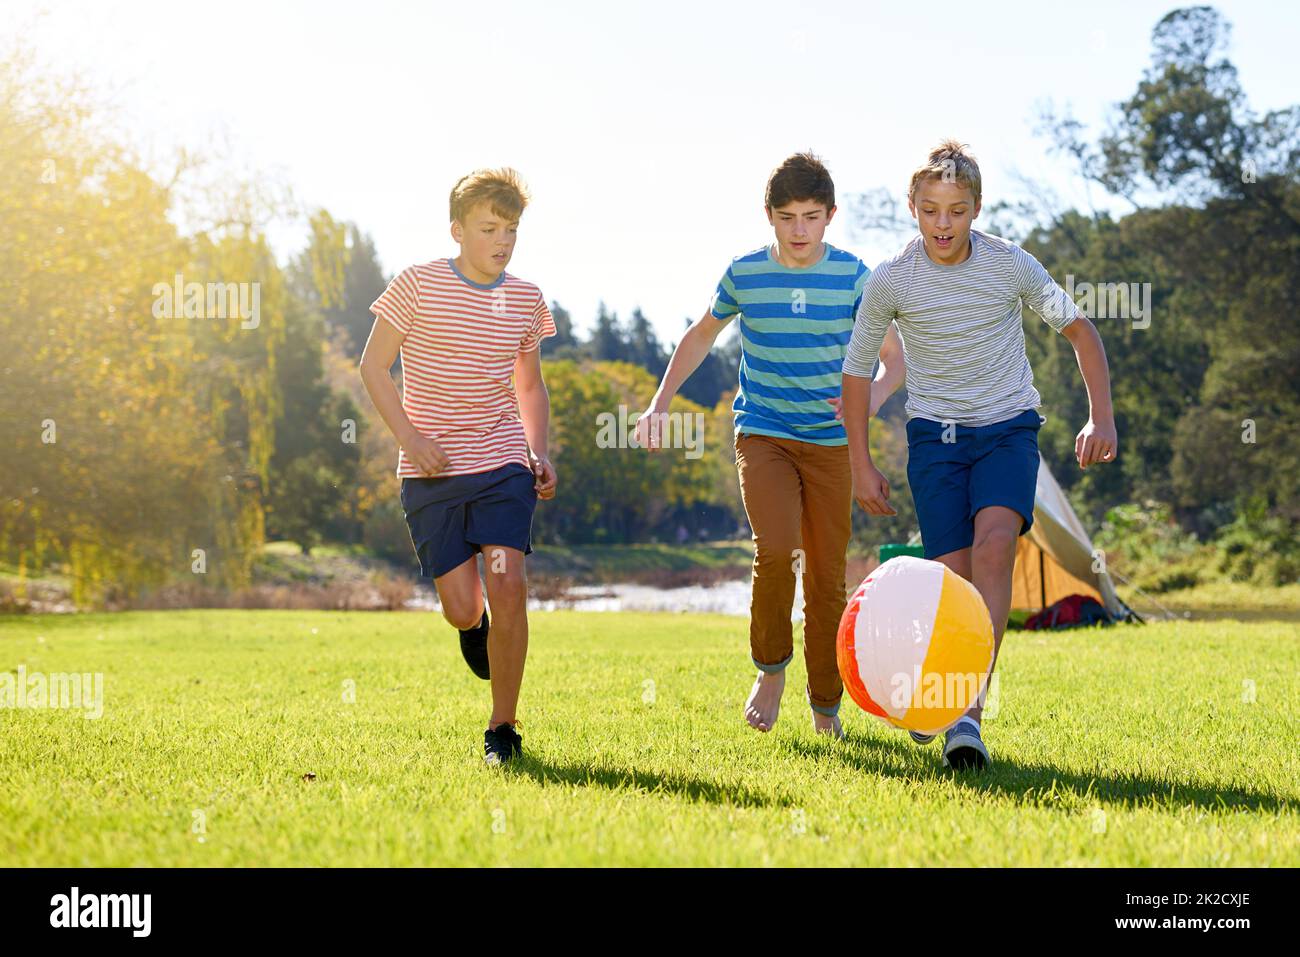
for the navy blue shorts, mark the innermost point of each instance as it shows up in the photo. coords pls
(980, 466)
(451, 518)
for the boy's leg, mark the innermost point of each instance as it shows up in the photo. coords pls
(498, 521)
(435, 515)
(507, 591)
(770, 491)
(992, 558)
(958, 561)
(461, 595)
(938, 471)
(1004, 481)
(826, 526)
(987, 565)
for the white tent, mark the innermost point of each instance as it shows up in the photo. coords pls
(1056, 558)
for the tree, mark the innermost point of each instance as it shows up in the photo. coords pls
(607, 343)
(562, 345)
(313, 468)
(643, 346)
(139, 422)
(1208, 391)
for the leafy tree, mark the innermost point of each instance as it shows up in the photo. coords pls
(607, 341)
(139, 425)
(313, 468)
(564, 344)
(1210, 390)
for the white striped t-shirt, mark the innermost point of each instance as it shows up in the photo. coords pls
(963, 338)
(458, 360)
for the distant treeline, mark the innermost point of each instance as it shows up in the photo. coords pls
(158, 428)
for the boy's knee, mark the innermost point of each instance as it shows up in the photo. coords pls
(508, 585)
(824, 572)
(994, 544)
(780, 557)
(462, 615)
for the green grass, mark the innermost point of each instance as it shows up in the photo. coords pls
(223, 713)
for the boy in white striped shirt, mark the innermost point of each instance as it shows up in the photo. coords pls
(955, 294)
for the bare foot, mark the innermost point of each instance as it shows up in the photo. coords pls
(764, 702)
(828, 724)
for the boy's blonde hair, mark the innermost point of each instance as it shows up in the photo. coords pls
(503, 191)
(951, 162)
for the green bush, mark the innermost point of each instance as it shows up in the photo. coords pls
(386, 535)
(1259, 548)
(1144, 545)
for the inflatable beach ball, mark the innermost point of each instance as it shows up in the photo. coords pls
(915, 645)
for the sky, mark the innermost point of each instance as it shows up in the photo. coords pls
(646, 131)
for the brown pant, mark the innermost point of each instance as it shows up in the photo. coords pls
(798, 496)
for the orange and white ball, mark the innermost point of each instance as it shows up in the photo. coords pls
(915, 645)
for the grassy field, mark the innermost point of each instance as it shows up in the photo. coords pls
(226, 739)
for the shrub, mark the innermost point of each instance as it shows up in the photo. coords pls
(1145, 545)
(1258, 547)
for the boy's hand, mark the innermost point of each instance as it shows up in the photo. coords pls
(877, 400)
(544, 473)
(426, 454)
(648, 428)
(871, 490)
(1096, 442)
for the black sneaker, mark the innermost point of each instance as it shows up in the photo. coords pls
(501, 743)
(473, 648)
(963, 750)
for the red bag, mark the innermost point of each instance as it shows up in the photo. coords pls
(1072, 611)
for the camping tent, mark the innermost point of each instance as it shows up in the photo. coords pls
(1055, 559)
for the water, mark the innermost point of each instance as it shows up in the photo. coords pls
(725, 598)
(732, 598)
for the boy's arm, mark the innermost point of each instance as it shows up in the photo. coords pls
(376, 361)
(890, 375)
(870, 488)
(1097, 441)
(688, 355)
(535, 414)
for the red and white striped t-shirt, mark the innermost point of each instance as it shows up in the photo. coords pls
(458, 360)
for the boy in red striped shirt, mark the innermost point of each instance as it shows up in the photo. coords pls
(473, 458)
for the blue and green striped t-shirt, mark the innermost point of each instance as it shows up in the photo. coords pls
(795, 326)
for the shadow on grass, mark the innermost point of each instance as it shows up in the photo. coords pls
(614, 778)
(1033, 783)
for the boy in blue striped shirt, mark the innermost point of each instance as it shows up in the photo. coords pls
(795, 301)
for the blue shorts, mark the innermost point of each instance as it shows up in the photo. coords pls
(452, 518)
(979, 466)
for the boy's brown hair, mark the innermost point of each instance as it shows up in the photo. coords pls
(503, 191)
(800, 177)
(951, 162)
